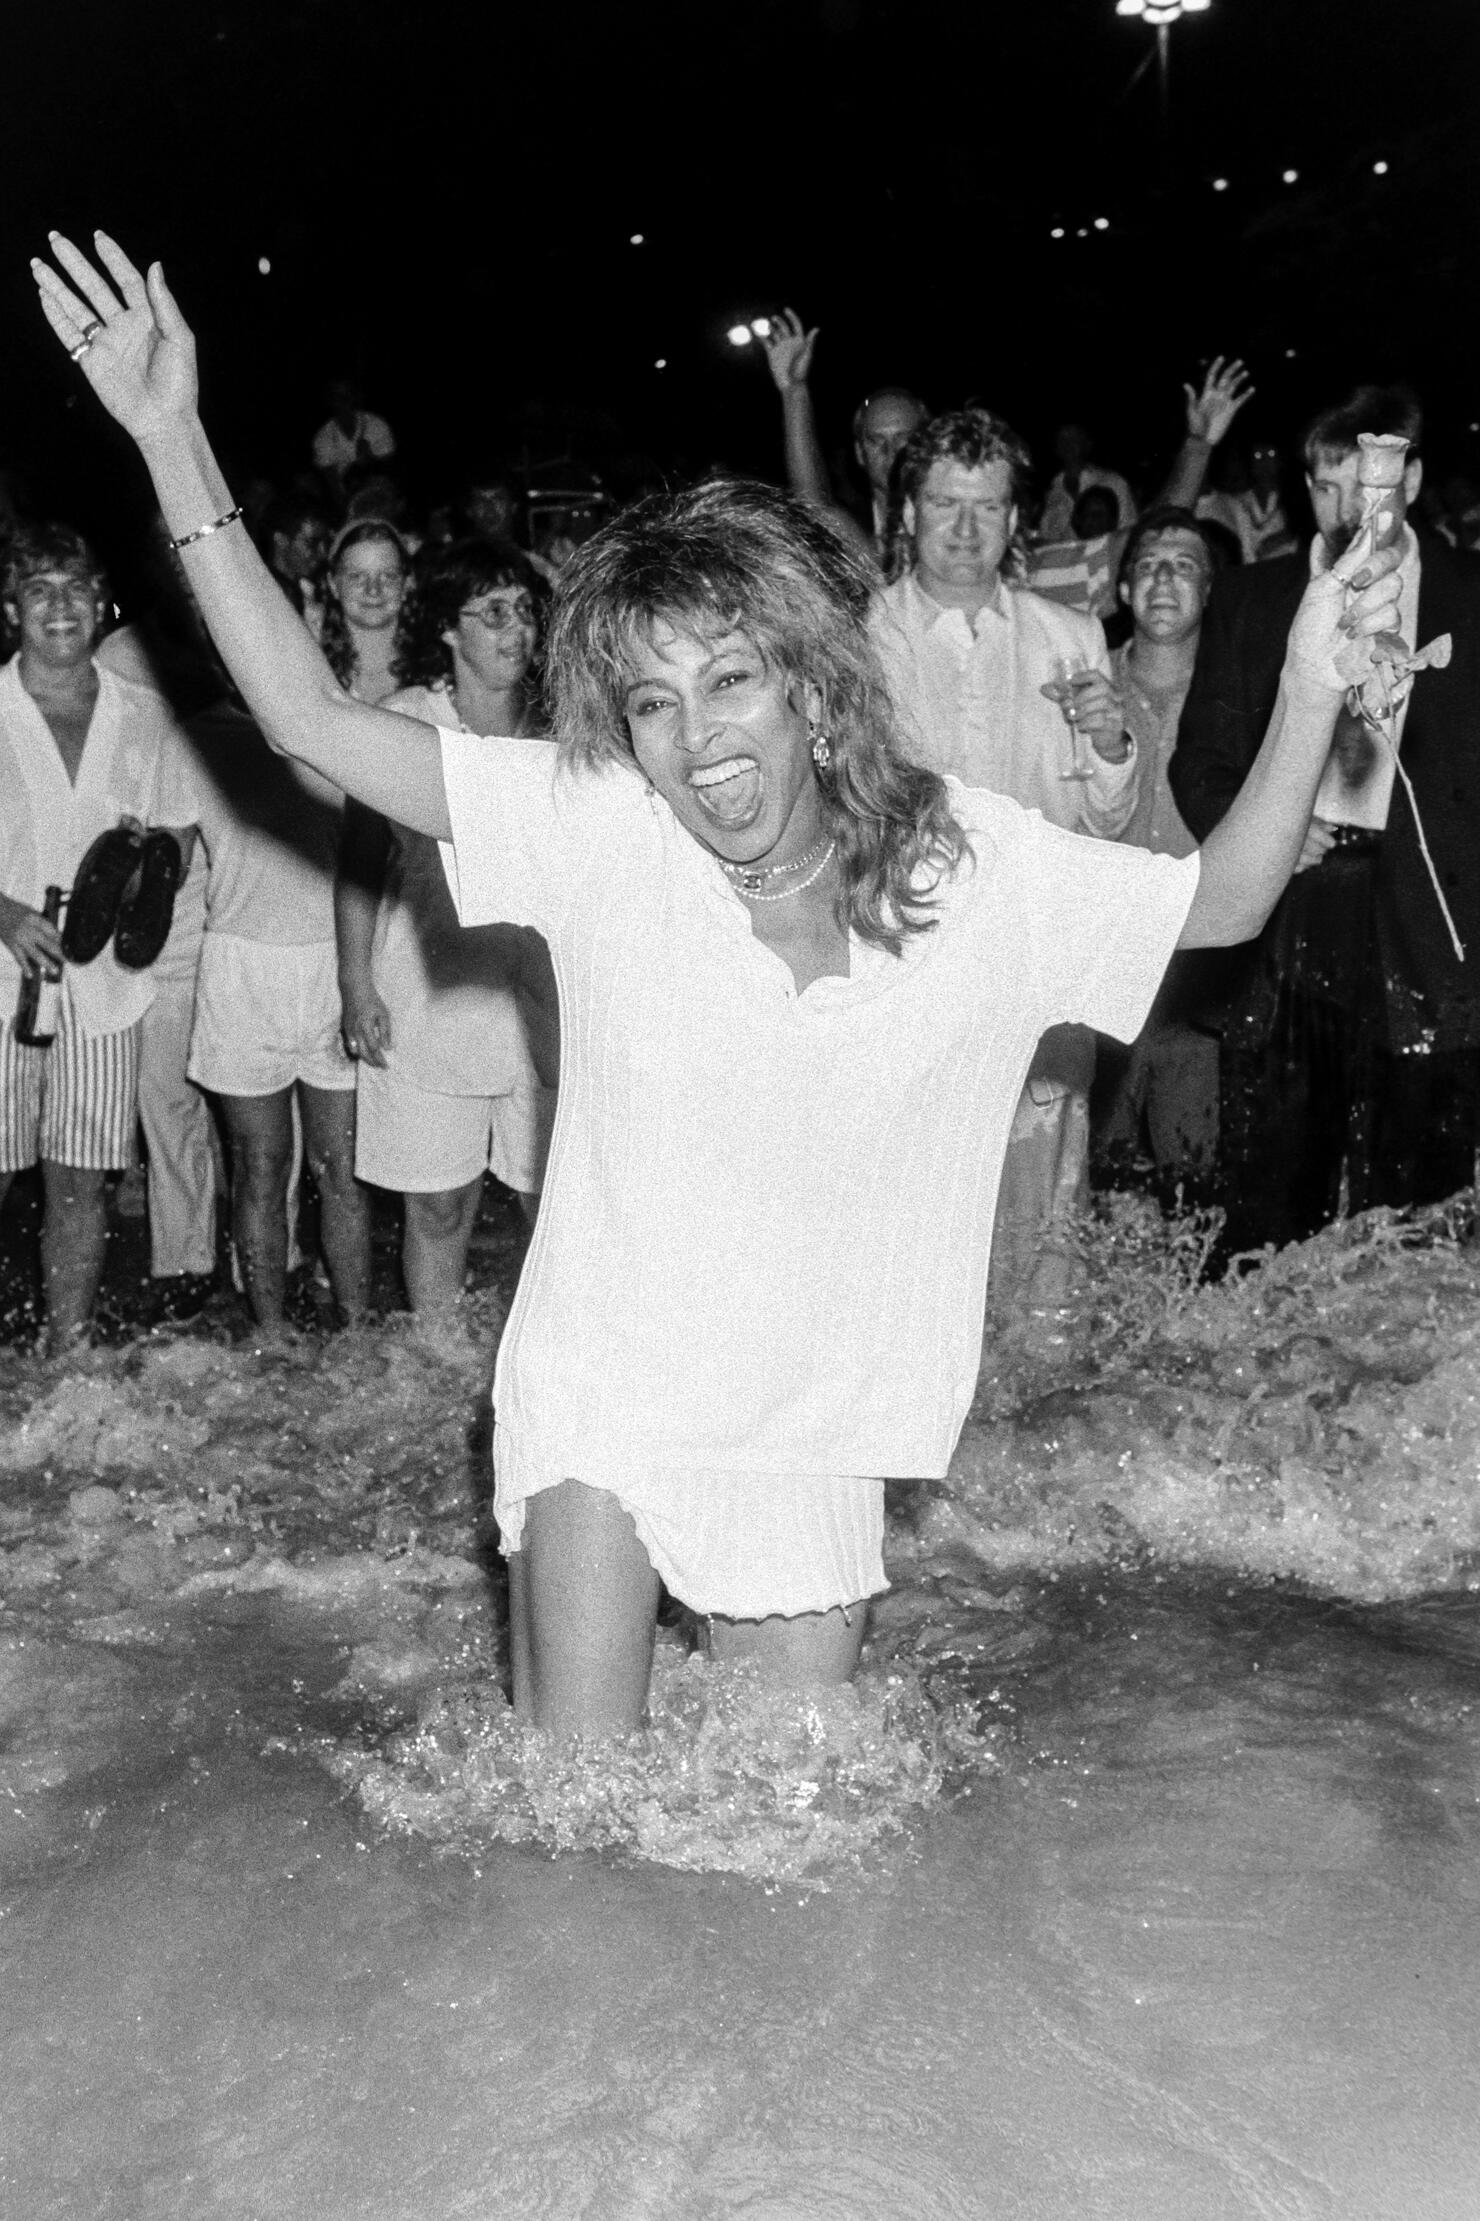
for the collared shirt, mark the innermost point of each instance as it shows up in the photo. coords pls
(336, 450)
(1360, 792)
(1152, 720)
(133, 765)
(968, 700)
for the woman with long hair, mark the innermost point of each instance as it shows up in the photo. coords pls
(801, 982)
(456, 1034)
(365, 579)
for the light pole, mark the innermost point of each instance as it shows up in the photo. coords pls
(1161, 15)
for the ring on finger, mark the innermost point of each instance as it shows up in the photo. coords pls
(89, 334)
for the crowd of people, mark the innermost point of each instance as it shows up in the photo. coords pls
(832, 844)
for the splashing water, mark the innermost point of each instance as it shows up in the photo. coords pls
(728, 1776)
(1316, 1423)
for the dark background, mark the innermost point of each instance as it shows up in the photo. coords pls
(446, 194)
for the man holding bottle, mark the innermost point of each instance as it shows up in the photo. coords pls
(82, 753)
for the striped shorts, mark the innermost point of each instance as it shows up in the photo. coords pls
(74, 1103)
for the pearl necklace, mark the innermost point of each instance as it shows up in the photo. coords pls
(752, 877)
(784, 894)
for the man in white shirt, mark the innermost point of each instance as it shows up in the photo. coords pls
(81, 750)
(1010, 692)
(352, 433)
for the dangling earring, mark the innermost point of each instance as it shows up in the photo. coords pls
(821, 745)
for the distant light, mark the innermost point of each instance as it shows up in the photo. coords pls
(1057, 232)
(264, 265)
(661, 363)
(1161, 11)
(1290, 177)
(636, 239)
(1083, 232)
(1220, 185)
(761, 326)
(1289, 354)
(738, 335)
(1102, 223)
(1379, 169)
(1475, 427)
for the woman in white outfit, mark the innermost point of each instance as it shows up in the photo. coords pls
(801, 982)
(456, 1033)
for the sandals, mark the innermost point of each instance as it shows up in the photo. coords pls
(123, 891)
(148, 905)
(97, 891)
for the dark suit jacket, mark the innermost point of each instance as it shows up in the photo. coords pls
(1429, 997)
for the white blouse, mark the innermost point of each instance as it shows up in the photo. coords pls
(766, 1222)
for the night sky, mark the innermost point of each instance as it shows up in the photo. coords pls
(446, 196)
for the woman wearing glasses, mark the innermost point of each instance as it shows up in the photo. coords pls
(455, 1033)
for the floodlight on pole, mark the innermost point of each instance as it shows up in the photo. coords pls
(1160, 15)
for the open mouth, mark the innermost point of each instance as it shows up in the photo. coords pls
(730, 792)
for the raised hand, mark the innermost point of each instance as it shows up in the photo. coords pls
(135, 351)
(1225, 389)
(1094, 703)
(789, 350)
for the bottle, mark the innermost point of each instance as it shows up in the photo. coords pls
(41, 993)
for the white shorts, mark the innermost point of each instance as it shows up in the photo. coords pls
(75, 1103)
(420, 1143)
(266, 1016)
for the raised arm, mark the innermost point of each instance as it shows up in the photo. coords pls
(138, 354)
(788, 349)
(1249, 855)
(1210, 412)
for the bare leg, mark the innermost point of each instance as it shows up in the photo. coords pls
(530, 1206)
(434, 1248)
(584, 1609)
(74, 1239)
(813, 1650)
(521, 1664)
(344, 1206)
(259, 1129)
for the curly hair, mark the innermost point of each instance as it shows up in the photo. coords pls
(339, 649)
(971, 437)
(445, 581)
(736, 556)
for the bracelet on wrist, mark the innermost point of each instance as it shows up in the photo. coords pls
(204, 531)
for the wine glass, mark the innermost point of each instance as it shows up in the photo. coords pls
(1068, 670)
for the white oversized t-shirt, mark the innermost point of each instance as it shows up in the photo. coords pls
(767, 1216)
